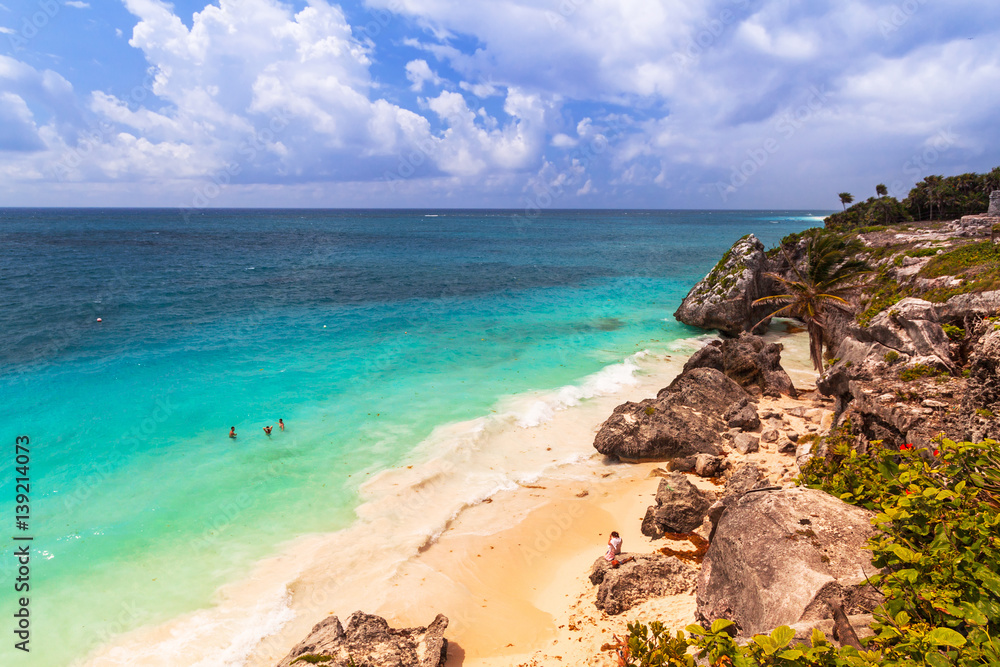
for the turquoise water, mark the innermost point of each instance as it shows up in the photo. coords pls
(362, 330)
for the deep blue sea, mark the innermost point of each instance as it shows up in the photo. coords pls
(365, 331)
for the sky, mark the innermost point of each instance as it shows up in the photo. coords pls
(525, 104)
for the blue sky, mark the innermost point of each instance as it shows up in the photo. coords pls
(491, 103)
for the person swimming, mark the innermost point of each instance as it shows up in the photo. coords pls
(232, 432)
(267, 429)
(281, 425)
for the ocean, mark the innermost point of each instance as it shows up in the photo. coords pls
(386, 340)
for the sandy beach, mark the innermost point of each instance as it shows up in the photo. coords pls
(498, 530)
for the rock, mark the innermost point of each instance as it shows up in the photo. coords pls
(931, 403)
(860, 622)
(722, 299)
(684, 420)
(910, 327)
(994, 209)
(706, 465)
(769, 435)
(803, 454)
(649, 576)
(786, 446)
(977, 304)
(745, 443)
(981, 403)
(370, 641)
(776, 557)
(753, 363)
(680, 507)
(742, 415)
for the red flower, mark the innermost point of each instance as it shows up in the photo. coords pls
(905, 447)
(936, 452)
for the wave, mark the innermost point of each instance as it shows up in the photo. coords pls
(403, 512)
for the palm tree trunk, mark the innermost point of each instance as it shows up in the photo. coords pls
(815, 330)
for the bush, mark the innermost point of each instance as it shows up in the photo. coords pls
(891, 357)
(953, 332)
(939, 552)
(918, 371)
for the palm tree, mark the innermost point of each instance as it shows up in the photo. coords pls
(845, 199)
(828, 279)
(881, 190)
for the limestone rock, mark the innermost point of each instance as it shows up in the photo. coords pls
(753, 363)
(746, 443)
(776, 557)
(976, 304)
(706, 465)
(369, 640)
(910, 327)
(769, 435)
(722, 299)
(684, 420)
(981, 402)
(680, 507)
(742, 415)
(649, 576)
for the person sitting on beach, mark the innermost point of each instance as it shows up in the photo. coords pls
(267, 429)
(281, 425)
(232, 432)
(615, 549)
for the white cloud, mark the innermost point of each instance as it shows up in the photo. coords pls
(7, 31)
(77, 3)
(419, 73)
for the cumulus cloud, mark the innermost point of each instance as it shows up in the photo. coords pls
(624, 102)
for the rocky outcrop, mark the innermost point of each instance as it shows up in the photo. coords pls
(753, 363)
(684, 420)
(911, 327)
(723, 299)
(777, 558)
(994, 204)
(680, 507)
(369, 641)
(963, 307)
(648, 576)
(981, 403)
(742, 415)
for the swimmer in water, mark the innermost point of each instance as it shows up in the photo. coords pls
(267, 429)
(232, 432)
(281, 425)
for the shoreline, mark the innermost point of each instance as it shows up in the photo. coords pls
(398, 563)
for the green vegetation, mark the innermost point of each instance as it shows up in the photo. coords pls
(884, 291)
(922, 252)
(953, 332)
(941, 197)
(983, 412)
(891, 357)
(919, 371)
(845, 199)
(650, 410)
(977, 264)
(938, 548)
(313, 659)
(873, 214)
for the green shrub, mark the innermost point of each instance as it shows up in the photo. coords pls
(650, 410)
(953, 332)
(986, 414)
(939, 553)
(891, 357)
(922, 252)
(918, 371)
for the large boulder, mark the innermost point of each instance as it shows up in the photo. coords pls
(680, 507)
(647, 577)
(723, 299)
(981, 403)
(976, 304)
(778, 557)
(911, 327)
(369, 640)
(994, 209)
(684, 420)
(753, 363)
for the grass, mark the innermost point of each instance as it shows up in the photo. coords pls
(883, 292)
(919, 371)
(977, 264)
